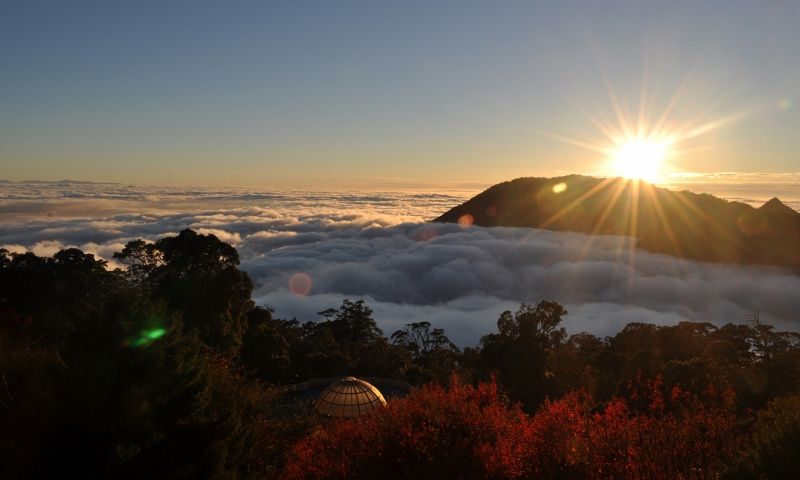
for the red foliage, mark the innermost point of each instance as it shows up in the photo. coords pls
(466, 432)
(434, 433)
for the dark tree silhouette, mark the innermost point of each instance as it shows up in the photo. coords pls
(520, 352)
(197, 275)
(434, 356)
(140, 259)
(422, 340)
(162, 369)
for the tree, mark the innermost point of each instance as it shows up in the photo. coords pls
(775, 450)
(352, 323)
(421, 340)
(435, 357)
(347, 342)
(29, 374)
(99, 378)
(576, 363)
(268, 346)
(140, 259)
(196, 275)
(519, 354)
(59, 294)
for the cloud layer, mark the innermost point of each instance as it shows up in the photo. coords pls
(377, 246)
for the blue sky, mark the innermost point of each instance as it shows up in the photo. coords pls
(321, 94)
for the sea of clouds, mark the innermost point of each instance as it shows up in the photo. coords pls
(306, 251)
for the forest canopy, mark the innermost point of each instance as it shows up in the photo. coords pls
(167, 368)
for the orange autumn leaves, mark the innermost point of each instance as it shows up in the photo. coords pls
(472, 432)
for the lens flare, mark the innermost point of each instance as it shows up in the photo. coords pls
(300, 284)
(426, 234)
(785, 104)
(145, 337)
(640, 159)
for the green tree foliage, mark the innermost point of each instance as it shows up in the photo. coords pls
(757, 362)
(352, 324)
(347, 342)
(29, 371)
(140, 259)
(57, 295)
(520, 354)
(102, 378)
(434, 356)
(776, 441)
(196, 275)
(267, 347)
(193, 415)
(423, 341)
(167, 369)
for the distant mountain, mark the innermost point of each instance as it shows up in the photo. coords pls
(684, 224)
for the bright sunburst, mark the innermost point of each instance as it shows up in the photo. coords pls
(640, 158)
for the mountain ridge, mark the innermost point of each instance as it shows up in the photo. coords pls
(775, 204)
(685, 224)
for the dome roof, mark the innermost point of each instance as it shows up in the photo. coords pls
(349, 397)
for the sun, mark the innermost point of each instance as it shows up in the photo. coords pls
(640, 159)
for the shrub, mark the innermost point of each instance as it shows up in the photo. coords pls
(433, 433)
(466, 432)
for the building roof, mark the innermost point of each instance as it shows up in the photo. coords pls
(349, 397)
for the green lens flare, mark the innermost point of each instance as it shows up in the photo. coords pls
(147, 337)
(155, 333)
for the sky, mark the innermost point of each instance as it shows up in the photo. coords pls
(373, 94)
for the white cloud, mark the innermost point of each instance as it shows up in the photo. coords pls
(228, 237)
(14, 248)
(47, 248)
(489, 270)
(377, 247)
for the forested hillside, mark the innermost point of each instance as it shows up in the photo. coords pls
(167, 369)
(679, 223)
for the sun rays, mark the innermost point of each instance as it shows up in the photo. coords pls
(628, 203)
(635, 148)
(639, 159)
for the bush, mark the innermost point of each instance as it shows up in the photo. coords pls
(466, 432)
(433, 433)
